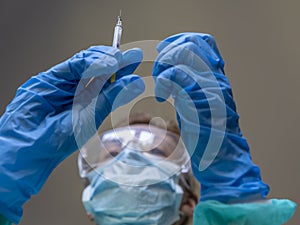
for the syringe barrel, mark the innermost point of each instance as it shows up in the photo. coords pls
(117, 35)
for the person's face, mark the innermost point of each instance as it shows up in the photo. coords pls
(162, 144)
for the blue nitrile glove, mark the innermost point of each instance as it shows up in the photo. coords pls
(37, 131)
(189, 67)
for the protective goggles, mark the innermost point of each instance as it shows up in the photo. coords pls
(152, 142)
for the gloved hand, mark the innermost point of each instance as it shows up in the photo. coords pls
(189, 67)
(39, 128)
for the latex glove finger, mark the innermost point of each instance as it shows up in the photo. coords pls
(188, 54)
(130, 61)
(130, 86)
(210, 48)
(173, 80)
(192, 91)
(119, 93)
(165, 84)
(127, 65)
(95, 61)
(87, 118)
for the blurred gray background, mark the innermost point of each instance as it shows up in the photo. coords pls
(259, 41)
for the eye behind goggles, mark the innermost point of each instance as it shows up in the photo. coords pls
(152, 142)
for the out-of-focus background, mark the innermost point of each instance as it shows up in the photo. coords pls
(259, 41)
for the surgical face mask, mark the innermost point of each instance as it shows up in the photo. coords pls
(133, 189)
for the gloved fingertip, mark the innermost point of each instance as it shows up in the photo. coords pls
(134, 55)
(167, 41)
(130, 87)
(106, 50)
(98, 67)
(155, 70)
(159, 67)
(133, 83)
(163, 89)
(130, 61)
(162, 45)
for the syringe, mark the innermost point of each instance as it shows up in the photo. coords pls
(117, 40)
(116, 43)
(117, 32)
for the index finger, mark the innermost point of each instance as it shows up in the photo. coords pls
(204, 41)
